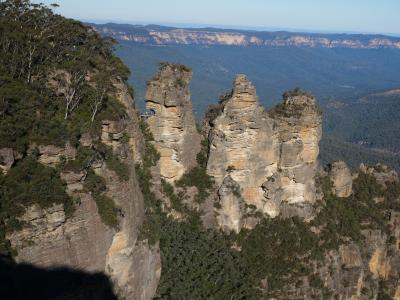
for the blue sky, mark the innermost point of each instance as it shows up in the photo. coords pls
(380, 16)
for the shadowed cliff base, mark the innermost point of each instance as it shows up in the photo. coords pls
(27, 282)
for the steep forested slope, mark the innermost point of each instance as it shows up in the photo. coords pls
(55, 85)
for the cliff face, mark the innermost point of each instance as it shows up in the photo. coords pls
(244, 146)
(367, 268)
(178, 36)
(173, 125)
(272, 157)
(299, 125)
(82, 240)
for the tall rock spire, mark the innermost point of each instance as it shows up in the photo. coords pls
(270, 157)
(173, 125)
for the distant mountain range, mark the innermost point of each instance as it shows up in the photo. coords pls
(162, 35)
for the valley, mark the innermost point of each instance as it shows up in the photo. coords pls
(355, 130)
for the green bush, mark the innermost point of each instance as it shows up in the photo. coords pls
(151, 226)
(121, 169)
(106, 207)
(176, 200)
(107, 210)
(198, 176)
(26, 184)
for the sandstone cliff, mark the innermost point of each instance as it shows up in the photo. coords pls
(82, 241)
(367, 268)
(271, 156)
(173, 125)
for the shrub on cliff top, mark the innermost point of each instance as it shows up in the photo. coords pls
(295, 92)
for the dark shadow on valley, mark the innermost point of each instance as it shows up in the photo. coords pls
(27, 282)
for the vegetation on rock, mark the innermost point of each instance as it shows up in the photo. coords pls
(57, 83)
(28, 183)
(198, 176)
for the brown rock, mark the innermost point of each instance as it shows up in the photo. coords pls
(272, 156)
(6, 159)
(173, 125)
(341, 179)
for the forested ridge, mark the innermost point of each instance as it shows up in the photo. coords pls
(56, 84)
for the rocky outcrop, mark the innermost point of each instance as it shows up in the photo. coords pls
(231, 207)
(173, 125)
(52, 240)
(383, 174)
(342, 181)
(82, 241)
(51, 155)
(271, 156)
(6, 159)
(244, 145)
(298, 123)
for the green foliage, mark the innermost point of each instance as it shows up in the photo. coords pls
(180, 83)
(83, 160)
(198, 176)
(315, 281)
(121, 169)
(150, 229)
(56, 83)
(28, 183)
(106, 207)
(342, 220)
(278, 250)
(295, 92)
(45, 62)
(200, 264)
(180, 67)
(151, 154)
(382, 291)
(176, 200)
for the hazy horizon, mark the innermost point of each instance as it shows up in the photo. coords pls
(233, 27)
(338, 16)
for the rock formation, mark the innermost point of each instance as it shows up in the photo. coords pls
(173, 125)
(243, 145)
(6, 159)
(83, 241)
(298, 123)
(271, 156)
(231, 206)
(341, 178)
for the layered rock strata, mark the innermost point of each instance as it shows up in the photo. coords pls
(299, 125)
(171, 120)
(272, 156)
(82, 241)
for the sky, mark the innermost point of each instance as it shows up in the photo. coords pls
(366, 16)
